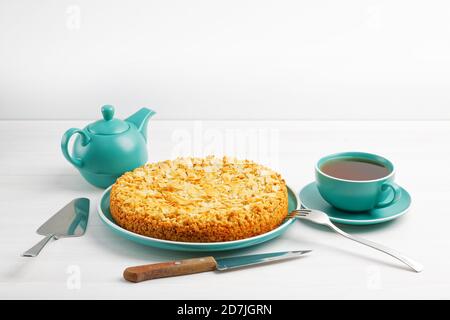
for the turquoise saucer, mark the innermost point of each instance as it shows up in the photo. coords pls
(105, 216)
(311, 198)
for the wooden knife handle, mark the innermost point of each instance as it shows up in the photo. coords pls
(169, 269)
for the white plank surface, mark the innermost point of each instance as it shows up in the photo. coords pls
(35, 181)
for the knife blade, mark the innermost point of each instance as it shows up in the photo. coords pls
(196, 265)
(70, 221)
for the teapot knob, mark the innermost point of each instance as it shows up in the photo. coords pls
(108, 112)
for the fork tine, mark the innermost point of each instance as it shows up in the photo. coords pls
(302, 211)
(294, 215)
(299, 213)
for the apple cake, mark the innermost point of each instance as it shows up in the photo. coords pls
(200, 199)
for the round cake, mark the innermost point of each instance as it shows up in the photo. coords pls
(200, 199)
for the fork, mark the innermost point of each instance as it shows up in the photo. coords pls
(322, 218)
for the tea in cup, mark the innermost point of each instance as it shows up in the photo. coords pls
(357, 181)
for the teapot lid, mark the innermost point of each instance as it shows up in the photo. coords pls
(108, 125)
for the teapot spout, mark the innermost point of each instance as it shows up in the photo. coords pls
(140, 120)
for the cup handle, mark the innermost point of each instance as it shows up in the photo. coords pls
(397, 193)
(78, 163)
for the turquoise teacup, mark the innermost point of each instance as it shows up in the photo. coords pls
(358, 195)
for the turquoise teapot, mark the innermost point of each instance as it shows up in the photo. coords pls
(109, 147)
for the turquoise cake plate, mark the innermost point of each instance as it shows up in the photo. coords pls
(105, 216)
(311, 198)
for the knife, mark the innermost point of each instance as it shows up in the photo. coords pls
(70, 221)
(196, 265)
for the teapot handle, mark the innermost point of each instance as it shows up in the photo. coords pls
(65, 145)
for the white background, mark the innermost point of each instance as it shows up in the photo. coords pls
(204, 59)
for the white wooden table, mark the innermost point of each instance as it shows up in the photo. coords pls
(35, 181)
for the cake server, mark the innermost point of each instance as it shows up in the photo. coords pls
(196, 265)
(70, 221)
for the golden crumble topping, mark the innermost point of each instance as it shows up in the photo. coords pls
(200, 199)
